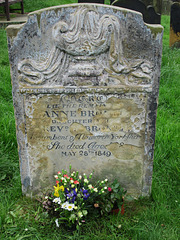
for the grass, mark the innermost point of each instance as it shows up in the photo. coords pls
(154, 218)
(34, 5)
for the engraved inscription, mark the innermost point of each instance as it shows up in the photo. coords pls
(87, 125)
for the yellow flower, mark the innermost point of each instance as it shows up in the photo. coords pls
(56, 190)
(56, 193)
(61, 188)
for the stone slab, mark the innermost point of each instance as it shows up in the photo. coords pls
(85, 83)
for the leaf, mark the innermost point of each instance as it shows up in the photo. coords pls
(108, 208)
(112, 196)
(115, 190)
(25, 236)
(3, 177)
(12, 214)
(63, 218)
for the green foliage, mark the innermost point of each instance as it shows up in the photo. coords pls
(166, 170)
(34, 5)
(154, 218)
(112, 198)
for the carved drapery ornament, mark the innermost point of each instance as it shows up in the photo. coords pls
(87, 51)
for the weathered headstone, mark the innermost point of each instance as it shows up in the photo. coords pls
(174, 38)
(85, 83)
(157, 4)
(166, 6)
(152, 16)
(149, 14)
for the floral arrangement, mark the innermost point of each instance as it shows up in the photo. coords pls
(74, 196)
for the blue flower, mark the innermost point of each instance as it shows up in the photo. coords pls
(70, 195)
(85, 193)
(86, 196)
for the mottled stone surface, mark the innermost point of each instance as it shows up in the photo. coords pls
(85, 86)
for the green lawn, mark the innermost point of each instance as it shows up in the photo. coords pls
(33, 5)
(154, 218)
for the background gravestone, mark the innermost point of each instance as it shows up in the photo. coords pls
(91, 1)
(85, 83)
(166, 6)
(152, 16)
(174, 38)
(157, 4)
(149, 14)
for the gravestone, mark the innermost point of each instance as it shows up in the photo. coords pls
(149, 14)
(152, 16)
(174, 37)
(91, 1)
(166, 6)
(85, 81)
(157, 4)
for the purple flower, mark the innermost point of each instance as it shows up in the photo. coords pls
(66, 191)
(85, 193)
(86, 196)
(70, 195)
